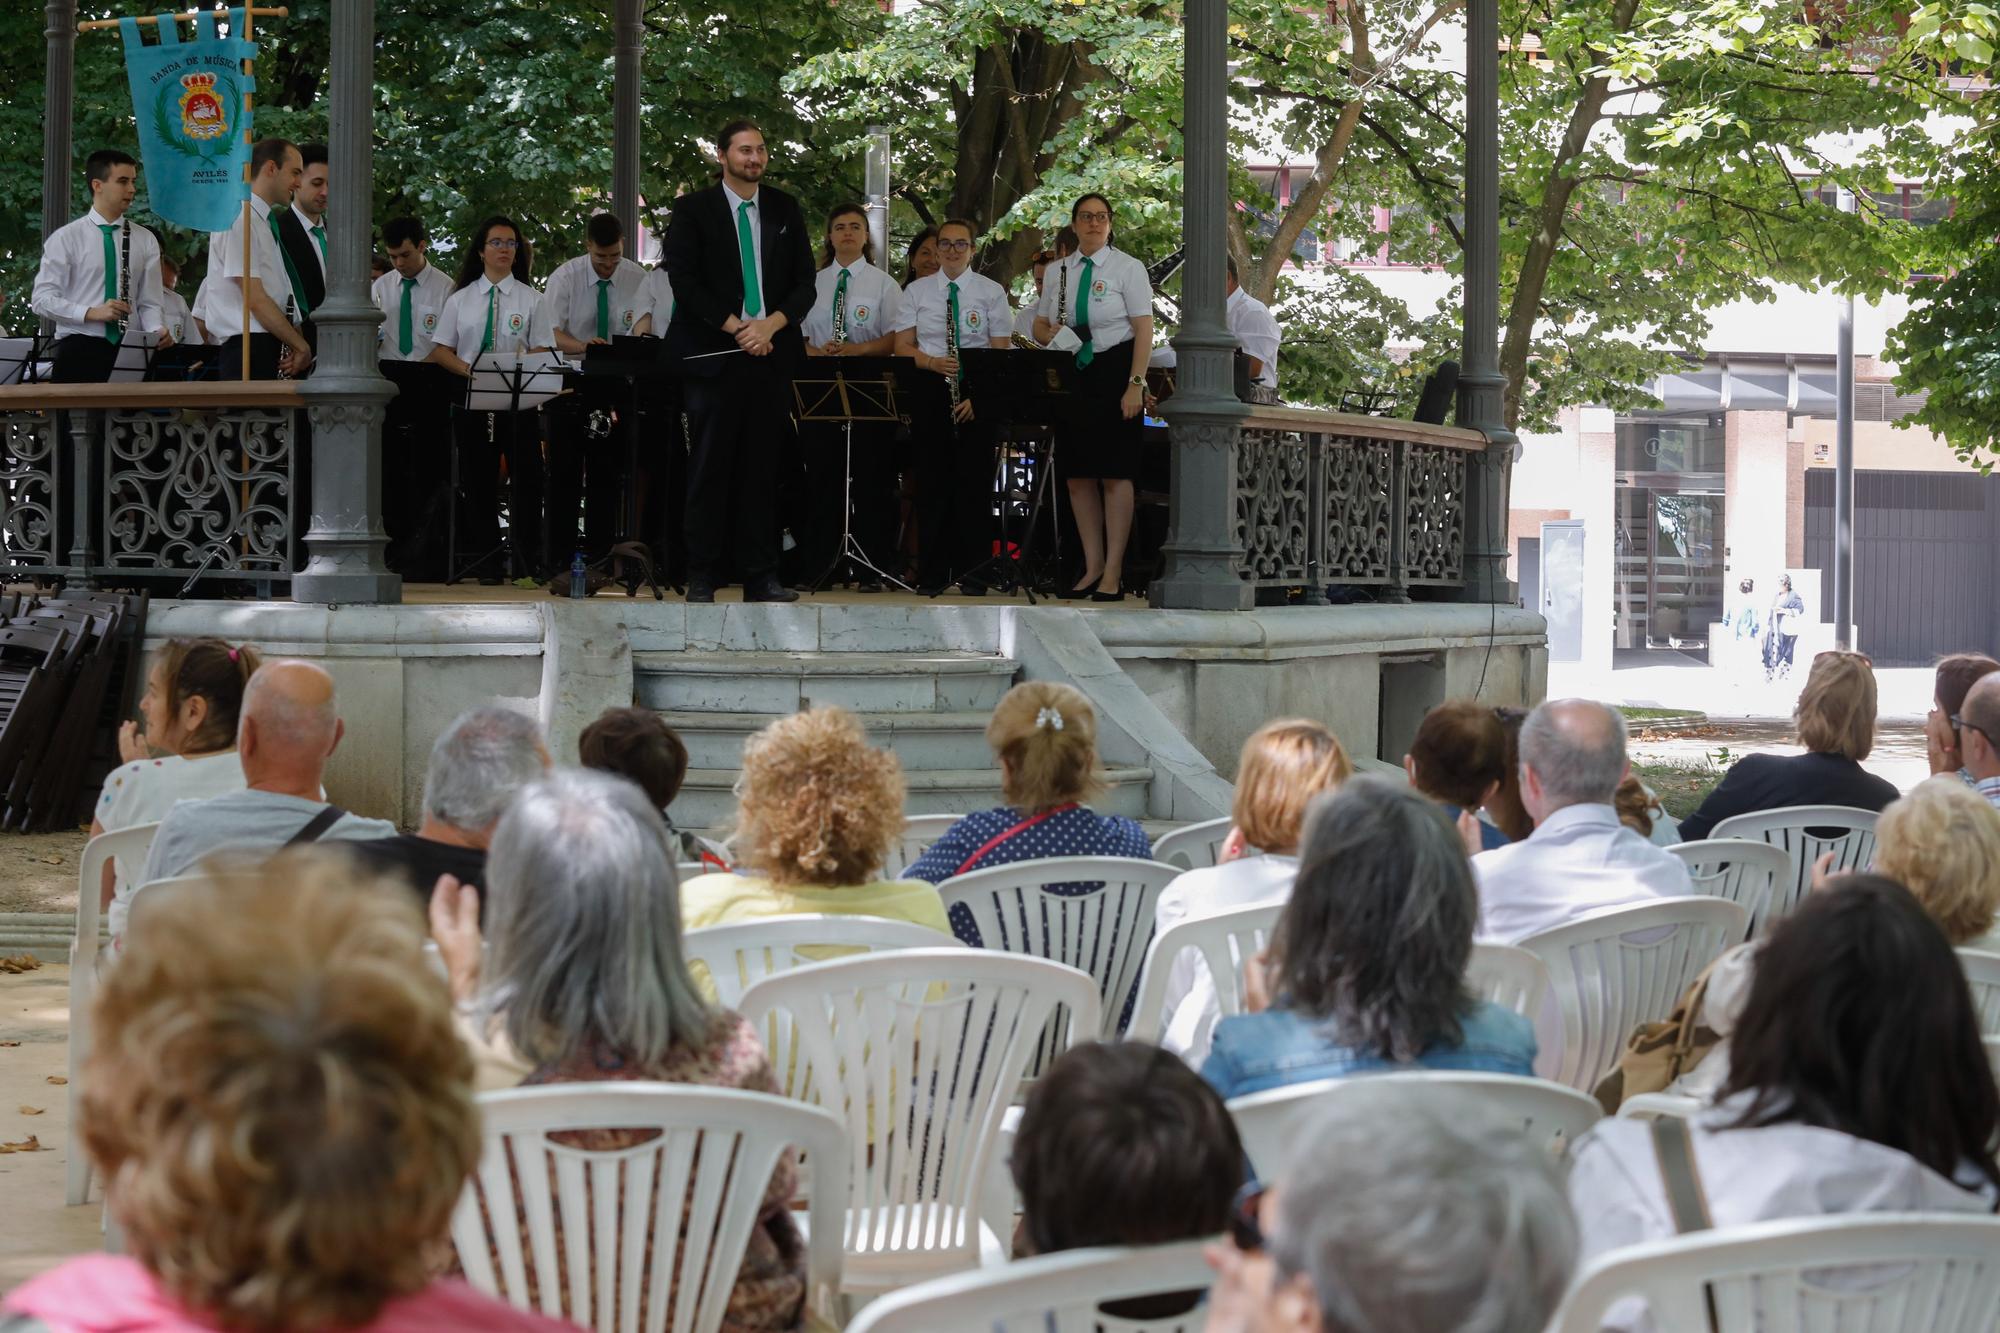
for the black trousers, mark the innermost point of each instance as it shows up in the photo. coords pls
(416, 469)
(485, 440)
(83, 358)
(738, 421)
(874, 496)
(586, 469)
(264, 351)
(954, 472)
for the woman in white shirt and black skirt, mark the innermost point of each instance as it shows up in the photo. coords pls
(1104, 297)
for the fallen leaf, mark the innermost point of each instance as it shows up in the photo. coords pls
(31, 1110)
(29, 1144)
(57, 1079)
(20, 963)
(9, 1043)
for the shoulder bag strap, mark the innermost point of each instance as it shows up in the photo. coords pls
(1673, 1149)
(317, 826)
(1007, 833)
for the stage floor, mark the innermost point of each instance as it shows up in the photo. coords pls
(438, 594)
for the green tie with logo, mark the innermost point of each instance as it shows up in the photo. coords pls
(1085, 352)
(753, 303)
(113, 329)
(405, 332)
(486, 343)
(840, 308)
(291, 269)
(604, 307)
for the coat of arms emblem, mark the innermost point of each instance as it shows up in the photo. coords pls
(202, 113)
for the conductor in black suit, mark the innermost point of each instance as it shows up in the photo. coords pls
(302, 237)
(741, 265)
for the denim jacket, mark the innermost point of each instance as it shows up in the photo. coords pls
(1257, 1052)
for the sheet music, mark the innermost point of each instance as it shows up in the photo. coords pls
(16, 354)
(135, 354)
(494, 375)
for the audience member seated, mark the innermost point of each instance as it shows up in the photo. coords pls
(1642, 812)
(289, 729)
(1459, 759)
(1857, 1084)
(1282, 767)
(818, 810)
(282, 1113)
(637, 743)
(194, 692)
(1413, 1210)
(585, 982)
(1122, 1144)
(1509, 815)
(1835, 717)
(478, 765)
(1956, 675)
(1367, 965)
(1979, 736)
(1045, 736)
(1580, 858)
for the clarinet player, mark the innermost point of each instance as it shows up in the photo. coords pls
(100, 275)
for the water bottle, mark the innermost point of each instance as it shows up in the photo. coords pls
(578, 578)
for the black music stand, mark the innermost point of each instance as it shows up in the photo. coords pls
(23, 360)
(1012, 386)
(627, 360)
(846, 390)
(499, 379)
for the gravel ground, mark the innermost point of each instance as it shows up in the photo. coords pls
(38, 870)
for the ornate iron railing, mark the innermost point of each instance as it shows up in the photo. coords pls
(1329, 497)
(172, 481)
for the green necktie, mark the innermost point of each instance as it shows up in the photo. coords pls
(319, 236)
(405, 331)
(291, 270)
(951, 328)
(840, 308)
(486, 343)
(753, 303)
(113, 329)
(1085, 352)
(604, 307)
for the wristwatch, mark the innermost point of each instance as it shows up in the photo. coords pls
(1138, 380)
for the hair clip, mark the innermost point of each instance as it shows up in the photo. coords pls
(232, 654)
(1049, 718)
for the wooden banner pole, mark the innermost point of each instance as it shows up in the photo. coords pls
(249, 265)
(189, 17)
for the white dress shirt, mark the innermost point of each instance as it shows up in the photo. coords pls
(983, 312)
(1191, 1004)
(427, 300)
(733, 202)
(462, 327)
(1120, 292)
(318, 242)
(1257, 329)
(1580, 859)
(224, 316)
(175, 317)
(873, 303)
(569, 301)
(71, 278)
(656, 298)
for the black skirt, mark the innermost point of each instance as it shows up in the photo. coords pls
(1098, 441)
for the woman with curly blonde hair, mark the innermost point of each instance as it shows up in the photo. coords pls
(818, 809)
(282, 1112)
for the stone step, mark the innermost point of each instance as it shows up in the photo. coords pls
(921, 740)
(778, 683)
(707, 798)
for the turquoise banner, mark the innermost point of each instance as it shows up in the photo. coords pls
(187, 98)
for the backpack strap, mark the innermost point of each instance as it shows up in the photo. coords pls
(317, 826)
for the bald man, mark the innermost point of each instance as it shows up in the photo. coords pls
(1978, 724)
(288, 728)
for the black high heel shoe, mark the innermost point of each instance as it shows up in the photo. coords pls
(1087, 591)
(1097, 596)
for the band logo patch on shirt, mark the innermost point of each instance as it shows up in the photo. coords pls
(972, 319)
(515, 323)
(430, 323)
(861, 314)
(626, 320)
(1097, 288)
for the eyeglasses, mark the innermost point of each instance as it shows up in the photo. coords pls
(1246, 1233)
(954, 246)
(496, 243)
(1958, 723)
(1093, 216)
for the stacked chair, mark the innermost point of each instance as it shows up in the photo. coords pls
(70, 669)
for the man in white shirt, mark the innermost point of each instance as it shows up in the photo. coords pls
(1579, 858)
(1257, 329)
(100, 275)
(273, 342)
(589, 300)
(411, 296)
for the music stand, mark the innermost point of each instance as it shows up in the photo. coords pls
(627, 359)
(848, 389)
(1024, 388)
(27, 360)
(135, 356)
(509, 382)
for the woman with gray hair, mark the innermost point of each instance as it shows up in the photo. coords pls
(585, 982)
(1366, 969)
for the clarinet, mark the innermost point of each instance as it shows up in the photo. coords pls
(951, 381)
(291, 318)
(125, 274)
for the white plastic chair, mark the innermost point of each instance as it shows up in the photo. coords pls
(1654, 1105)
(1862, 1273)
(919, 1052)
(1270, 1123)
(1226, 942)
(1193, 846)
(1797, 830)
(740, 954)
(1103, 931)
(1056, 1293)
(1617, 968)
(1746, 871)
(130, 844)
(1982, 976)
(713, 1153)
(919, 832)
(1509, 976)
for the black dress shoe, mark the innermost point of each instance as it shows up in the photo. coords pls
(931, 589)
(768, 589)
(868, 583)
(1097, 596)
(1084, 593)
(971, 588)
(700, 589)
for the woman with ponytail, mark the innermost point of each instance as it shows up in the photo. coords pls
(185, 750)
